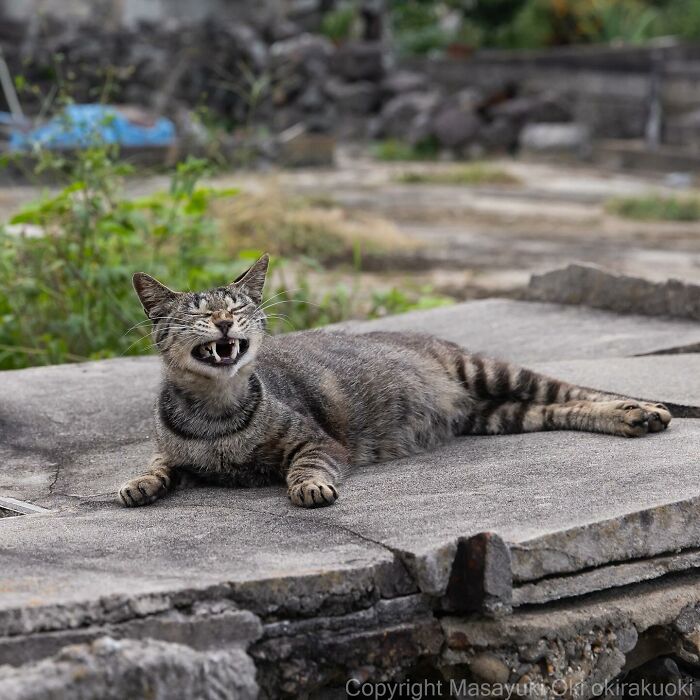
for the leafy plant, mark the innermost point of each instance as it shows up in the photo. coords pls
(67, 292)
(397, 301)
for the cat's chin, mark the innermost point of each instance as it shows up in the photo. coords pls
(210, 371)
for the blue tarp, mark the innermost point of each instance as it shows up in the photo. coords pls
(79, 126)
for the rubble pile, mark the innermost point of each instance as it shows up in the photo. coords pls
(266, 75)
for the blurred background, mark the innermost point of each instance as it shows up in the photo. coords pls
(391, 154)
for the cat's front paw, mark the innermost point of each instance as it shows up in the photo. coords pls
(312, 494)
(142, 490)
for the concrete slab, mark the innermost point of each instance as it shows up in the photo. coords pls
(541, 493)
(540, 332)
(562, 503)
(669, 378)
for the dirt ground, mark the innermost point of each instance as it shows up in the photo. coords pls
(475, 241)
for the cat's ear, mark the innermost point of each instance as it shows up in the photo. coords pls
(155, 297)
(252, 281)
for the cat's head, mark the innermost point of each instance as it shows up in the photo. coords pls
(211, 334)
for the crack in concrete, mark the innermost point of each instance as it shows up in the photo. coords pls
(397, 553)
(56, 475)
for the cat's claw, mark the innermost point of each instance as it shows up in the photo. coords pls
(312, 494)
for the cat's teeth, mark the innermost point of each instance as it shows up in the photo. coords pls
(212, 350)
(234, 349)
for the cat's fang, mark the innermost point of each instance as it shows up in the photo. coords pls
(212, 350)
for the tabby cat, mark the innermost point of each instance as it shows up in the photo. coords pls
(241, 408)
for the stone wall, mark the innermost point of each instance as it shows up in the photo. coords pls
(611, 90)
(258, 67)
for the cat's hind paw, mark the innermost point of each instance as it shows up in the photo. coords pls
(312, 494)
(659, 416)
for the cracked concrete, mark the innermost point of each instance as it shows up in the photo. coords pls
(317, 595)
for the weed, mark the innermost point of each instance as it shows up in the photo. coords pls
(473, 174)
(654, 207)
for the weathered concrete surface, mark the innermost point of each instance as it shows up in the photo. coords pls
(539, 332)
(329, 588)
(669, 378)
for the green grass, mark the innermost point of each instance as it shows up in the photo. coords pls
(656, 208)
(395, 150)
(470, 175)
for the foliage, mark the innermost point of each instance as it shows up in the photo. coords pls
(67, 292)
(396, 301)
(337, 24)
(472, 174)
(656, 208)
(427, 26)
(395, 150)
(66, 262)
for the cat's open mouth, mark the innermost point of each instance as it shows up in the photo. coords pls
(221, 353)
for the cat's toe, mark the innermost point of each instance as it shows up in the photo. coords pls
(632, 419)
(142, 490)
(313, 494)
(659, 417)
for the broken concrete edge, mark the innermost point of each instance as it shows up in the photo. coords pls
(628, 537)
(589, 285)
(553, 648)
(331, 592)
(481, 573)
(564, 650)
(598, 579)
(14, 506)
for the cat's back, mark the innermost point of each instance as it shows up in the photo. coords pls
(364, 385)
(349, 355)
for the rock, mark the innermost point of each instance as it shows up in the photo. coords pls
(627, 638)
(489, 668)
(300, 49)
(454, 127)
(312, 98)
(110, 669)
(564, 139)
(588, 285)
(358, 98)
(406, 116)
(359, 60)
(403, 81)
(499, 135)
(537, 108)
(302, 149)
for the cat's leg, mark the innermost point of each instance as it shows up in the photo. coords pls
(154, 484)
(314, 470)
(623, 417)
(494, 380)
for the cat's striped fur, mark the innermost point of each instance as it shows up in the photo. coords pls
(306, 407)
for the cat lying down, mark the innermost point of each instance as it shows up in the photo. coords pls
(241, 408)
